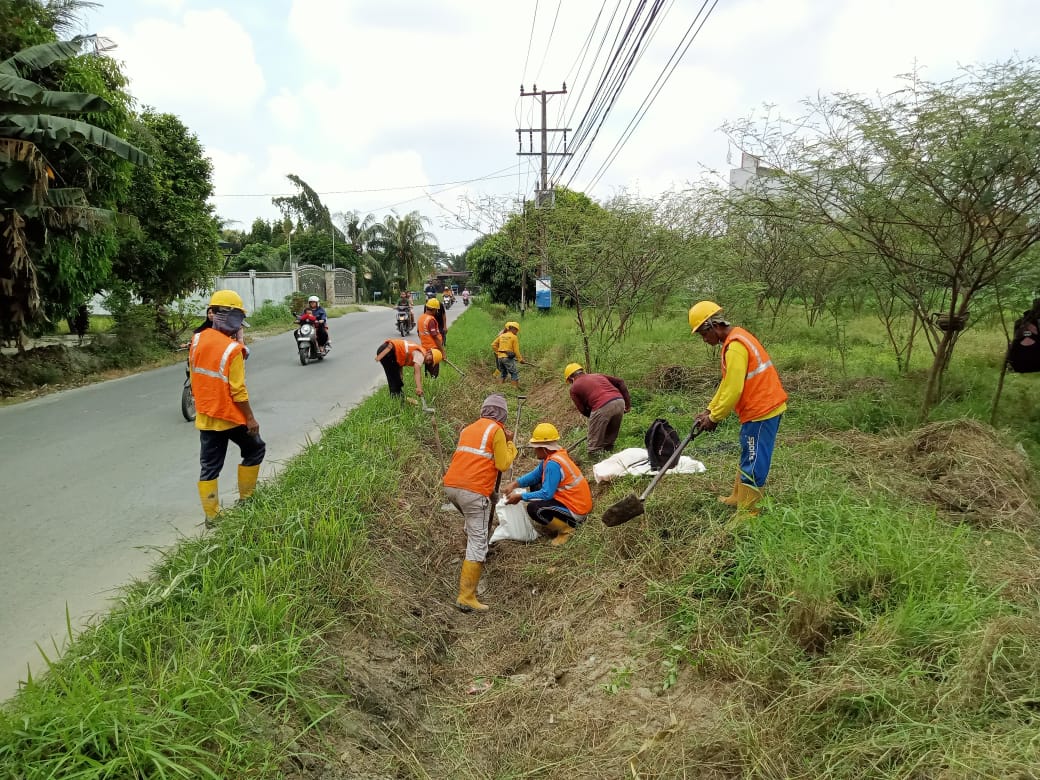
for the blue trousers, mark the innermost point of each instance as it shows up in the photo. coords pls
(757, 440)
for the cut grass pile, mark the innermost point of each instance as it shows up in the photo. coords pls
(858, 628)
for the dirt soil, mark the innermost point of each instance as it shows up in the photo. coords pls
(565, 676)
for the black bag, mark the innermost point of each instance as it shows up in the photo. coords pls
(1023, 355)
(661, 442)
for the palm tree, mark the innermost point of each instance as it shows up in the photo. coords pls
(403, 246)
(33, 124)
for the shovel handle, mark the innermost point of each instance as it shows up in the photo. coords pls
(671, 461)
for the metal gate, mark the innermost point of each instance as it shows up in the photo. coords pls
(343, 284)
(311, 279)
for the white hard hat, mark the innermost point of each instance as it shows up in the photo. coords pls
(314, 299)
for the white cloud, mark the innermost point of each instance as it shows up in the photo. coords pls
(204, 62)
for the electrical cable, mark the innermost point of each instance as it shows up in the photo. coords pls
(548, 43)
(492, 175)
(652, 95)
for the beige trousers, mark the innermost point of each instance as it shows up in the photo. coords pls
(475, 510)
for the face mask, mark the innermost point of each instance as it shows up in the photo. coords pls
(229, 322)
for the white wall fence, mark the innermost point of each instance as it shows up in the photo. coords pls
(335, 286)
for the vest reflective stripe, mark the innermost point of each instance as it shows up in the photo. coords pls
(426, 334)
(762, 392)
(211, 355)
(473, 464)
(573, 491)
(403, 351)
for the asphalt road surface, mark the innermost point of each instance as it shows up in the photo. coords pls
(97, 480)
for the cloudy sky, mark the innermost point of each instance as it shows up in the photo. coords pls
(390, 104)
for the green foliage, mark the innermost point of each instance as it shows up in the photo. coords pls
(259, 257)
(498, 273)
(174, 249)
(402, 247)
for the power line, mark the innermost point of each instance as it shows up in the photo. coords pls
(548, 43)
(492, 175)
(655, 90)
(530, 40)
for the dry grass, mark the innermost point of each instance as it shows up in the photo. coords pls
(964, 467)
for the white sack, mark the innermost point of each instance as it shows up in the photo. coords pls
(513, 523)
(635, 460)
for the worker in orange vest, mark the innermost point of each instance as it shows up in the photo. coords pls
(395, 354)
(485, 450)
(562, 498)
(750, 387)
(429, 330)
(222, 411)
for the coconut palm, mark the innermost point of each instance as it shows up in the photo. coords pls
(33, 123)
(403, 246)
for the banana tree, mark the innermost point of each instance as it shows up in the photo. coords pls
(35, 121)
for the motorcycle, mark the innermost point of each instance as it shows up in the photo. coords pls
(187, 397)
(306, 336)
(404, 320)
(448, 301)
(465, 301)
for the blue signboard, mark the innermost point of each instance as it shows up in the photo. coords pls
(543, 293)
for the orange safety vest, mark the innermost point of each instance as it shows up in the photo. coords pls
(403, 350)
(473, 464)
(426, 327)
(210, 357)
(762, 392)
(573, 491)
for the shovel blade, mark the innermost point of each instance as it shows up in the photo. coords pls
(624, 510)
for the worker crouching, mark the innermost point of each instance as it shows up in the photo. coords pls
(484, 451)
(563, 498)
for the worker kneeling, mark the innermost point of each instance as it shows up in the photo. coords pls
(484, 451)
(563, 498)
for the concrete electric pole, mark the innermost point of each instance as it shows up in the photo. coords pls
(543, 195)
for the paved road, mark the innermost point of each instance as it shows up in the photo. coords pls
(96, 479)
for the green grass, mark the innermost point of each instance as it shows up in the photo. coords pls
(850, 631)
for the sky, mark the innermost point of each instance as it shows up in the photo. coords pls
(402, 105)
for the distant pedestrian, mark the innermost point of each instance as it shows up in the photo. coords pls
(751, 387)
(604, 400)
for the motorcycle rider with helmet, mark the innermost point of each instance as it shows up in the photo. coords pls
(404, 303)
(315, 308)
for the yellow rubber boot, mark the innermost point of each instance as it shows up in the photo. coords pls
(731, 499)
(468, 579)
(247, 476)
(563, 532)
(210, 499)
(748, 497)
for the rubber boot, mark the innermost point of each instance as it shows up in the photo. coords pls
(731, 499)
(210, 498)
(564, 532)
(748, 497)
(468, 579)
(247, 476)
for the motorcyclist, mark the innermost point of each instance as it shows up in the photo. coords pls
(448, 296)
(404, 303)
(465, 296)
(315, 308)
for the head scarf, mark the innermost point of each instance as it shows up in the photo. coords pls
(229, 321)
(494, 408)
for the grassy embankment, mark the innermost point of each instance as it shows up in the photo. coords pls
(880, 620)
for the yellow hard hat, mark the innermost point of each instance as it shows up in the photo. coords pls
(438, 356)
(433, 303)
(699, 312)
(544, 433)
(228, 298)
(571, 368)
(512, 324)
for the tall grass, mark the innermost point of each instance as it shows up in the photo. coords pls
(206, 660)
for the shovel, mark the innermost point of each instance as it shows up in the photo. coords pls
(633, 506)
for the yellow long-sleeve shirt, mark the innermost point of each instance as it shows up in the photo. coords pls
(505, 451)
(732, 386)
(507, 342)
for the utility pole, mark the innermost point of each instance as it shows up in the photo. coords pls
(543, 196)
